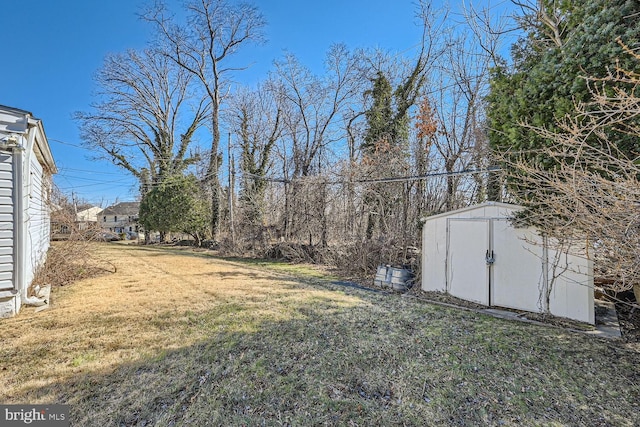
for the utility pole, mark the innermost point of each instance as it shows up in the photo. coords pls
(74, 201)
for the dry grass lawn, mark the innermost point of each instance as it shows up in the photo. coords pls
(179, 338)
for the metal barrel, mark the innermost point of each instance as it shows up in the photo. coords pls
(381, 276)
(399, 278)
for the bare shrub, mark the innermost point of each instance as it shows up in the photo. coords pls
(69, 261)
(364, 257)
(295, 252)
(71, 256)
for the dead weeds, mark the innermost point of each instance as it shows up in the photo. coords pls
(71, 260)
(176, 338)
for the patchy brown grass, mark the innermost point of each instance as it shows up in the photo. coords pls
(181, 338)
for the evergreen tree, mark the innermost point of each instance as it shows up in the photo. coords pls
(578, 39)
(176, 205)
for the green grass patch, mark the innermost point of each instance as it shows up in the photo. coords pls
(385, 362)
(305, 352)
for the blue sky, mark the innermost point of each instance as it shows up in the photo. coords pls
(53, 49)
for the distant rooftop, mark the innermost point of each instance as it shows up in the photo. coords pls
(122, 208)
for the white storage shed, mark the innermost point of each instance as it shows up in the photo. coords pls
(476, 254)
(26, 167)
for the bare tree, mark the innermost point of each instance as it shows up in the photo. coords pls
(427, 131)
(145, 116)
(311, 113)
(214, 32)
(545, 16)
(255, 118)
(462, 81)
(313, 104)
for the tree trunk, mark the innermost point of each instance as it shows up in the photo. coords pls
(323, 211)
(215, 206)
(212, 173)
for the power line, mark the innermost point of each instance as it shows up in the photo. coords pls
(80, 178)
(89, 171)
(409, 178)
(95, 184)
(70, 144)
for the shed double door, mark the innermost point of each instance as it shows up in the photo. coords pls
(494, 264)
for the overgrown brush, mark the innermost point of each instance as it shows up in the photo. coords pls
(69, 261)
(355, 258)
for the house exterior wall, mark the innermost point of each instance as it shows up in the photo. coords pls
(26, 165)
(120, 218)
(119, 223)
(9, 304)
(37, 209)
(88, 215)
(6, 222)
(522, 264)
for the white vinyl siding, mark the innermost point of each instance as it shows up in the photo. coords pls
(6, 221)
(26, 166)
(38, 232)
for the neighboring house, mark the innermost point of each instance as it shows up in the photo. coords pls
(88, 218)
(68, 220)
(26, 167)
(60, 223)
(120, 218)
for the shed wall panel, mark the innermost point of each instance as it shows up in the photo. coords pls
(572, 292)
(522, 268)
(434, 256)
(518, 279)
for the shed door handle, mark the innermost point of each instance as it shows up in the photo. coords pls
(490, 259)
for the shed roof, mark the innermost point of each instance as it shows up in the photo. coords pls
(506, 206)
